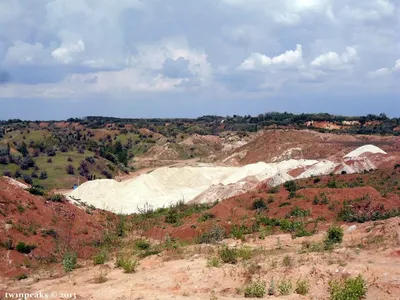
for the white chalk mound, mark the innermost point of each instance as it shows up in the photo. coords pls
(203, 183)
(365, 149)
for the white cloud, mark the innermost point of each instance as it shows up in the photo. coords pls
(397, 66)
(289, 59)
(383, 72)
(334, 61)
(66, 52)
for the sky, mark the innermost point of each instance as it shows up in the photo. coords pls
(179, 58)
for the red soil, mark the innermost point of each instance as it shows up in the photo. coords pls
(238, 210)
(33, 220)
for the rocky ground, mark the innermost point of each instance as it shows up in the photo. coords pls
(371, 249)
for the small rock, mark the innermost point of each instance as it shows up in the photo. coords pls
(351, 228)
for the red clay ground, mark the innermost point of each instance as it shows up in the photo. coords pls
(368, 192)
(51, 227)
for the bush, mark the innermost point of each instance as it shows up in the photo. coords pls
(172, 217)
(302, 287)
(300, 213)
(128, 264)
(100, 258)
(69, 261)
(206, 216)
(216, 234)
(290, 186)
(255, 290)
(56, 198)
(7, 174)
(348, 289)
(142, 244)
(43, 175)
(332, 184)
(317, 179)
(287, 261)
(285, 287)
(36, 190)
(28, 179)
(213, 262)
(70, 170)
(259, 204)
(228, 255)
(24, 248)
(334, 235)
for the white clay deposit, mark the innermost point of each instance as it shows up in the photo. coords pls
(201, 183)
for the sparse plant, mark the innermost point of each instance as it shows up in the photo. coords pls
(56, 198)
(142, 244)
(100, 257)
(216, 234)
(334, 236)
(206, 216)
(69, 261)
(348, 289)
(255, 290)
(285, 287)
(24, 248)
(100, 277)
(302, 287)
(129, 264)
(287, 261)
(213, 262)
(259, 204)
(228, 255)
(271, 288)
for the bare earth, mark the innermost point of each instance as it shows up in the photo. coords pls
(372, 249)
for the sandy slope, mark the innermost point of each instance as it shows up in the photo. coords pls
(183, 274)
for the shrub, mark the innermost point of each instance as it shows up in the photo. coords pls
(334, 235)
(290, 186)
(43, 175)
(348, 289)
(298, 212)
(36, 190)
(285, 287)
(302, 287)
(270, 199)
(274, 190)
(206, 216)
(21, 276)
(7, 174)
(142, 244)
(70, 170)
(28, 179)
(100, 258)
(213, 262)
(228, 255)
(69, 261)
(128, 264)
(287, 261)
(24, 248)
(332, 184)
(259, 204)
(255, 290)
(317, 179)
(216, 234)
(172, 217)
(90, 159)
(56, 198)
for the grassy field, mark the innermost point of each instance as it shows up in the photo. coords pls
(56, 170)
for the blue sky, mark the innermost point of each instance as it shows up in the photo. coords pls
(131, 58)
